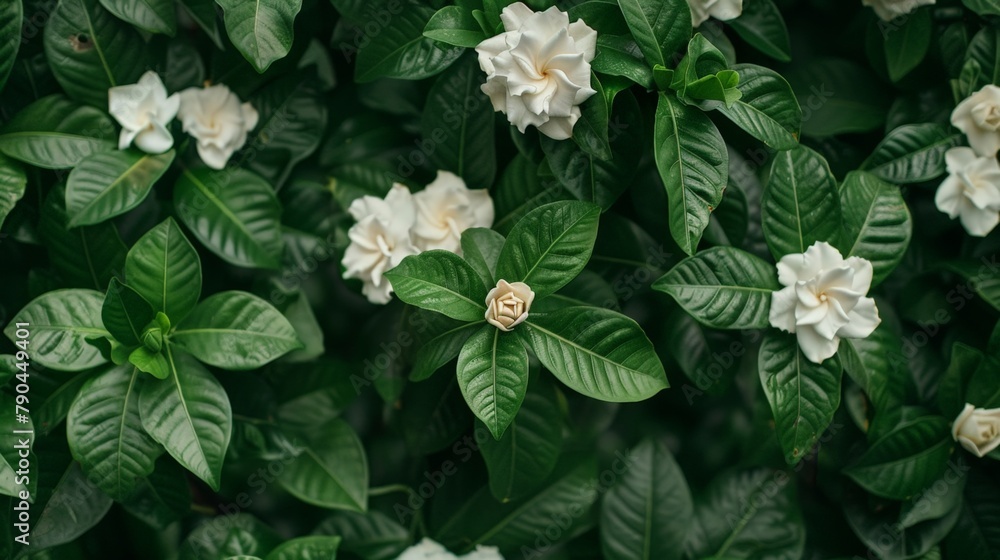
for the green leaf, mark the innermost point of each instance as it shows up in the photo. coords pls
(234, 213)
(11, 483)
(455, 25)
(723, 287)
(647, 514)
(262, 30)
(105, 432)
(549, 246)
(803, 395)
(400, 49)
(13, 181)
(977, 532)
(163, 497)
(239, 534)
(693, 164)
(189, 414)
(660, 27)
(983, 8)
(768, 109)
(528, 452)
(106, 184)
(440, 350)
(867, 361)
(331, 471)
(838, 96)
(66, 516)
(596, 352)
(457, 124)
(912, 153)
(60, 323)
(56, 133)
(521, 190)
(11, 20)
(235, 330)
(52, 411)
(90, 51)
(800, 204)
(983, 49)
(371, 535)
(982, 276)
(621, 56)
(165, 269)
(125, 313)
(440, 281)
(203, 12)
(907, 44)
(481, 249)
(591, 130)
(877, 224)
(149, 361)
(318, 548)
(906, 460)
(155, 16)
(493, 376)
(763, 28)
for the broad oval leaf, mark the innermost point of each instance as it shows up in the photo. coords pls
(13, 181)
(877, 224)
(190, 415)
(762, 26)
(493, 376)
(803, 395)
(11, 20)
(235, 330)
(870, 363)
(60, 322)
(106, 184)
(105, 432)
(331, 471)
(455, 25)
(293, 117)
(912, 153)
(549, 246)
(371, 535)
(800, 204)
(520, 190)
(56, 133)
(241, 535)
(441, 349)
(723, 287)
(400, 49)
(693, 164)
(203, 12)
(165, 269)
(768, 109)
(90, 51)
(481, 249)
(262, 30)
(977, 532)
(155, 16)
(66, 516)
(647, 514)
(597, 352)
(907, 43)
(440, 281)
(234, 213)
(660, 27)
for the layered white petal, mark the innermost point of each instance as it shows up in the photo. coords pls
(971, 192)
(144, 110)
(978, 116)
(977, 429)
(446, 208)
(380, 240)
(217, 120)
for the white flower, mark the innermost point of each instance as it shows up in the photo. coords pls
(971, 191)
(977, 429)
(978, 116)
(445, 209)
(823, 299)
(724, 10)
(538, 71)
(507, 304)
(888, 10)
(144, 110)
(215, 118)
(430, 550)
(379, 240)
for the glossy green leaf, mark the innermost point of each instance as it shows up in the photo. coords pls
(597, 352)
(163, 497)
(165, 269)
(13, 181)
(331, 471)
(440, 281)
(877, 224)
(235, 330)
(912, 153)
(262, 30)
(60, 323)
(89, 50)
(56, 133)
(867, 361)
(105, 432)
(11, 18)
(125, 313)
(155, 16)
(906, 460)
(320, 548)
(239, 534)
(234, 213)
(203, 12)
(977, 532)
(693, 164)
(723, 287)
(481, 249)
(66, 516)
(549, 246)
(50, 413)
(660, 27)
(520, 190)
(455, 25)
(983, 7)
(768, 109)
(11, 483)
(371, 535)
(400, 49)
(441, 349)
(907, 43)
(493, 376)
(106, 184)
(762, 26)
(647, 514)
(801, 204)
(190, 415)
(621, 56)
(803, 395)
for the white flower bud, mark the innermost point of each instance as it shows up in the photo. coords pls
(977, 429)
(507, 305)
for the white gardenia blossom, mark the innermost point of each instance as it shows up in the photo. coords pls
(507, 304)
(978, 116)
(215, 118)
(824, 299)
(446, 208)
(144, 110)
(888, 10)
(977, 429)
(538, 70)
(430, 550)
(971, 191)
(723, 10)
(380, 240)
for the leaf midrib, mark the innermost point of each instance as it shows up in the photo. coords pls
(586, 350)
